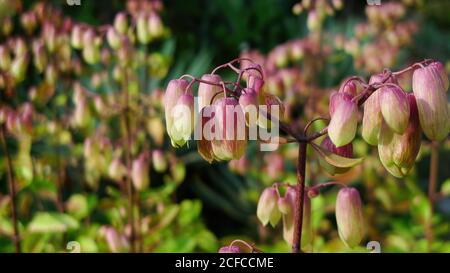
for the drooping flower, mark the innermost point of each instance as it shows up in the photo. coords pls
(183, 120)
(159, 161)
(139, 173)
(394, 106)
(174, 90)
(267, 210)
(430, 85)
(372, 118)
(344, 119)
(349, 216)
(286, 205)
(229, 124)
(398, 152)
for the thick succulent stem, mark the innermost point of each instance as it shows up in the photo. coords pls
(12, 190)
(300, 194)
(129, 183)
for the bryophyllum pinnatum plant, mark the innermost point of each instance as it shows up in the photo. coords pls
(392, 119)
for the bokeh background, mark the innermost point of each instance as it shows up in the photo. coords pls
(62, 113)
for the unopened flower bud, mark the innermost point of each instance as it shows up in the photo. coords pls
(39, 55)
(117, 170)
(267, 210)
(430, 85)
(113, 37)
(121, 23)
(239, 166)
(81, 114)
(100, 106)
(174, 90)
(5, 58)
(398, 152)
(91, 51)
(159, 161)
(349, 216)
(20, 47)
(19, 68)
(394, 108)
(26, 117)
(207, 91)
(287, 207)
(143, 34)
(155, 26)
(49, 32)
(51, 74)
(372, 118)
(116, 242)
(183, 120)
(314, 22)
(344, 119)
(76, 37)
(28, 21)
(337, 4)
(139, 173)
(6, 26)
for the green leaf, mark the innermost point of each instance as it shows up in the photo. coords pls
(189, 211)
(207, 241)
(336, 160)
(77, 206)
(445, 188)
(46, 222)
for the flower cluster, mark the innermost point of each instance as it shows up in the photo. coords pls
(224, 116)
(377, 43)
(393, 119)
(349, 212)
(272, 207)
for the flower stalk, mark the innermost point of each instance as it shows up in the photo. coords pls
(12, 190)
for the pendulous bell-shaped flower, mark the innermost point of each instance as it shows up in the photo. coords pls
(286, 205)
(229, 124)
(372, 118)
(344, 119)
(139, 173)
(174, 90)
(349, 216)
(430, 85)
(183, 120)
(267, 211)
(394, 106)
(398, 152)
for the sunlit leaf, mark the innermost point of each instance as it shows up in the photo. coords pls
(45, 222)
(336, 160)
